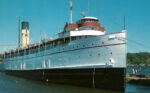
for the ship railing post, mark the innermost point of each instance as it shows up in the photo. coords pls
(64, 40)
(4, 55)
(18, 51)
(39, 48)
(10, 54)
(70, 38)
(44, 46)
(44, 49)
(25, 52)
(29, 50)
(14, 53)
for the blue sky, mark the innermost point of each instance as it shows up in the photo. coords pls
(49, 17)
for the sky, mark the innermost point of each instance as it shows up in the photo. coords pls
(47, 18)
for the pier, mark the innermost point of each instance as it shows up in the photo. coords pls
(138, 79)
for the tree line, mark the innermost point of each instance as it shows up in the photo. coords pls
(1, 56)
(138, 58)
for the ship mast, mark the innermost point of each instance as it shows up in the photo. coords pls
(124, 23)
(71, 11)
(19, 32)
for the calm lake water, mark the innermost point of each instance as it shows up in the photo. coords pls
(11, 84)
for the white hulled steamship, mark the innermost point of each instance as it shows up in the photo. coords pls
(82, 54)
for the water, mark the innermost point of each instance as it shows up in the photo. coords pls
(11, 84)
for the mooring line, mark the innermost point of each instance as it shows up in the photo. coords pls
(94, 78)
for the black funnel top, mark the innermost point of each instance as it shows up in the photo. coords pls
(24, 25)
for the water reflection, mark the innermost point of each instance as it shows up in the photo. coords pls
(13, 84)
(59, 88)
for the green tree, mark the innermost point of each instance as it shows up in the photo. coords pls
(1, 56)
(138, 58)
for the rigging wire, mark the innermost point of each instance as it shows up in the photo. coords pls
(111, 20)
(135, 48)
(138, 43)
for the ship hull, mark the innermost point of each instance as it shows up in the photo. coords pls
(94, 61)
(99, 78)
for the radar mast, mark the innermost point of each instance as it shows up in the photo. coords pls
(71, 11)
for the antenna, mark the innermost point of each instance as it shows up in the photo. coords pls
(71, 11)
(43, 36)
(88, 6)
(83, 14)
(124, 23)
(19, 32)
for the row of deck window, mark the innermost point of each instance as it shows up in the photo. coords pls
(42, 47)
